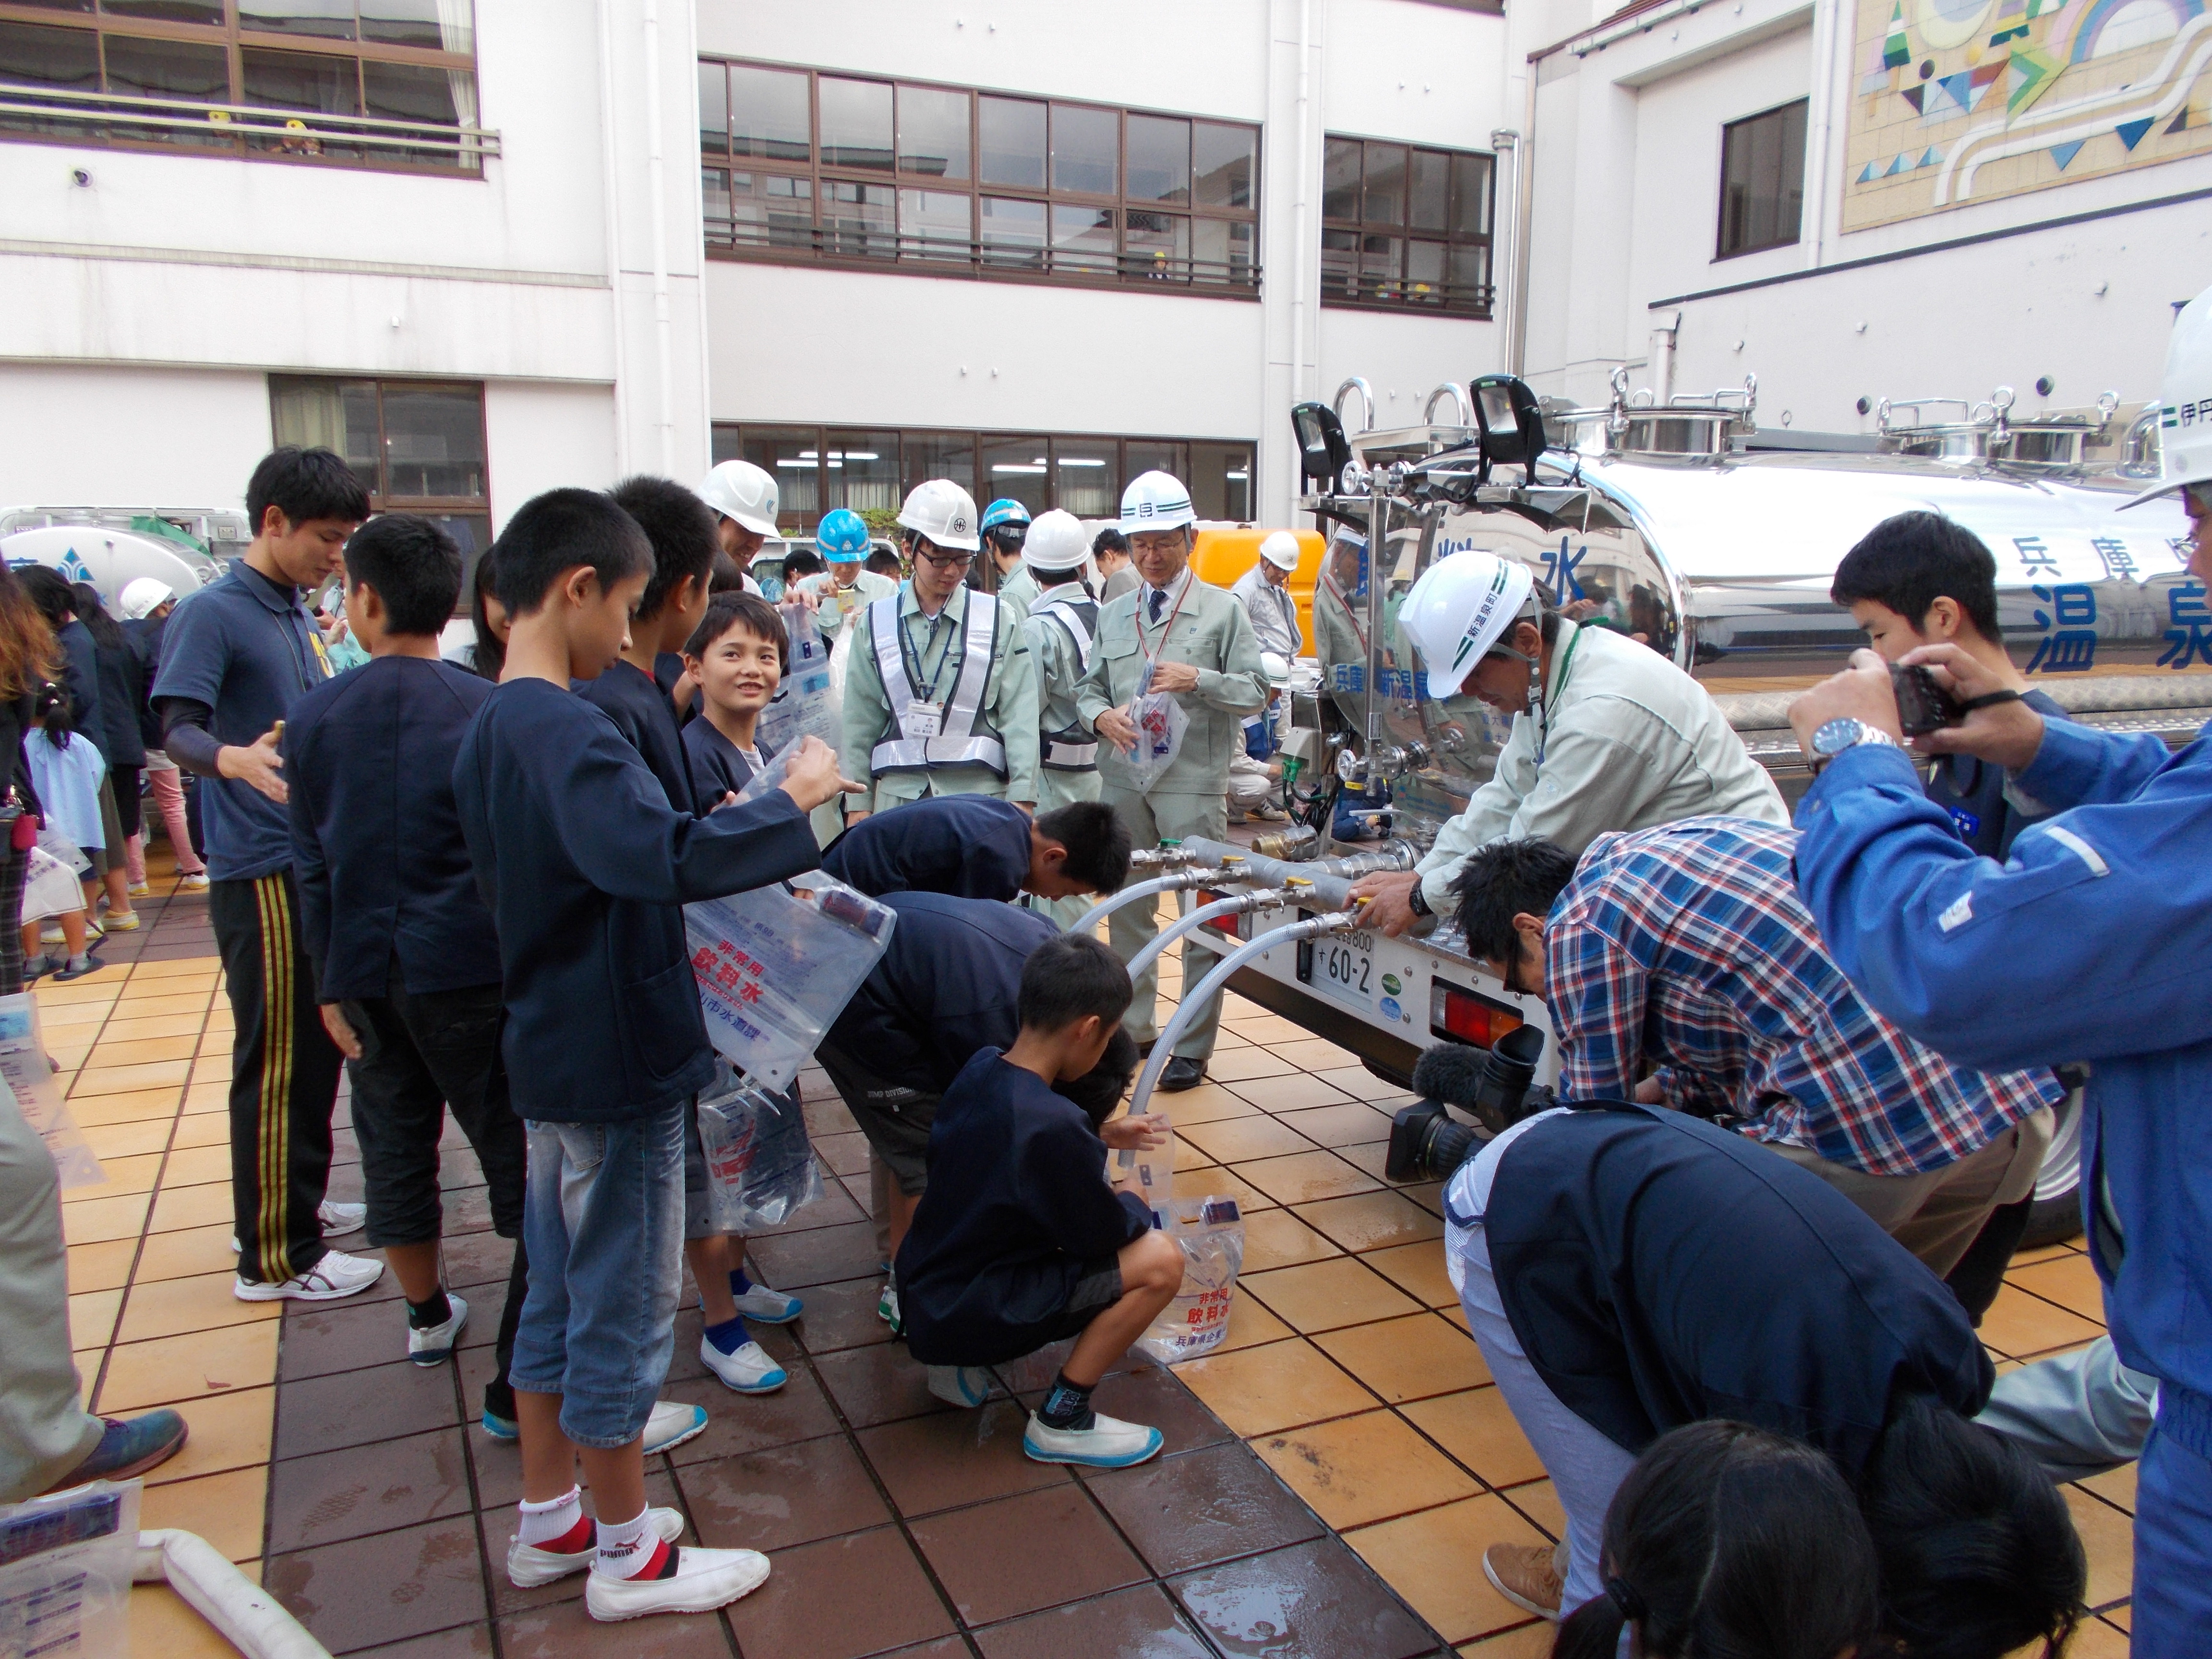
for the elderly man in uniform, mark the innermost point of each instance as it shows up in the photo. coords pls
(1172, 634)
(941, 694)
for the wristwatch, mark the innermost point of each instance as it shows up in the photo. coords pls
(1833, 736)
(1417, 901)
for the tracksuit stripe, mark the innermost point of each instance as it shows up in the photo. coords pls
(276, 1128)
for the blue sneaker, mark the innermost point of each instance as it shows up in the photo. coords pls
(757, 1301)
(501, 1428)
(129, 1446)
(748, 1369)
(1108, 1443)
(960, 1385)
(671, 1425)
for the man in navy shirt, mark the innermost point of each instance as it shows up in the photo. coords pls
(406, 960)
(237, 655)
(979, 846)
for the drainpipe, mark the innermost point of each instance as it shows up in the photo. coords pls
(1525, 203)
(1663, 360)
(656, 171)
(610, 164)
(1504, 273)
(1302, 217)
(1820, 121)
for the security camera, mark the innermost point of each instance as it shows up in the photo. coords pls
(81, 179)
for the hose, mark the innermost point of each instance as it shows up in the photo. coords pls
(1265, 898)
(1332, 878)
(1182, 881)
(244, 1615)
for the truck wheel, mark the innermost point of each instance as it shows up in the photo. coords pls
(2056, 1215)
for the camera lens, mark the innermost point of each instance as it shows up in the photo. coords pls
(1506, 1076)
(1426, 1144)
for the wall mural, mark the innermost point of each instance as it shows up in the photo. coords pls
(1967, 101)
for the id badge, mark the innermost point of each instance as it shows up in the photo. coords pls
(924, 720)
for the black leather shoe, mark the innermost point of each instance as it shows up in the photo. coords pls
(1181, 1073)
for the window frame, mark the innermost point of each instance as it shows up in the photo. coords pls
(918, 255)
(1721, 250)
(1476, 306)
(88, 119)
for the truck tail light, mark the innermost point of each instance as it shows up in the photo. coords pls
(1224, 925)
(1468, 1016)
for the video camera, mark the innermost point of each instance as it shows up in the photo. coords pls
(1426, 1143)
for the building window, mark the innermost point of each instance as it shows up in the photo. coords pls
(1762, 181)
(818, 467)
(416, 446)
(378, 83)
(1405, 227)
(805, 165)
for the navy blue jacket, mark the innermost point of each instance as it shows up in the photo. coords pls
(717, 767)
(972, 847)
(1973, 792)
(81, 679)
(1659, 1271)
(641, 712)
(585, 866)
(1016, 1211)
(949, 983)
(385, 878)
(122, 693)
(145, 637)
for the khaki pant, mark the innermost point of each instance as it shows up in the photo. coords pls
(1152, 818)
(1937, 1213)
(44, 1431)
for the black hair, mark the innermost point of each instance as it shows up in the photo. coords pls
(1979, 1556)
(747, 610)
(884, 562)
(1109, 540)
(681, 528)
(1505, 879)
(1910, 560)
(555, 533)
(414, 566)
(1056, 578)
(1007, 537)
(802, 562)
(50, 707)
(50, 591)
(106, 632)
(1070, 978)
(1727, 1542)
(487, 656)
(727, 577)
(1097, 841)
(1099, 1089)
(305, 484)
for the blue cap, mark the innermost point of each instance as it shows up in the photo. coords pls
(841, 537)
(1004, 510)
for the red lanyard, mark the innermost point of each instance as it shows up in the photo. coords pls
(1152, 656)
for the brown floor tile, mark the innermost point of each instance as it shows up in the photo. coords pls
(1140, 1620)
(1307, 1177)
(2117, 1488)
(477, 1259)
(1316, 1601)
(224, 1508)
(770, 1500)
(565, 1631)
(1015, 1555)
(1478, 1428)
(386, 1587)
(1261, 1390)
(1189, 1511)
(1214, 1181)
(954, 1457)
(174, 1368)
(1249, 1323)
(820, 1256)
(1209, 1102)
(1410, 1358)
(102, 1266)
(1148, 1394)
(1418, 1270)
(1540, 1502)
(1243, 1065)
(843, 1315)
(1235, 1140)
(1359, 1470)
(1278, 1239)
(1370, 1221)
(832, 1209)
(1346, 1125)
(164, 1624)
(1533, 1640)
(320, 1340)
(2022, 1325)
(2108, 1538)
(1322, 1295)
(738, 1424)
(331, 1496)
(1433, 1560)
(876, 1385)
(203, 1302)
(461, 1642)
(362, 1407)
(840, 1599)
(1293, 1092)
(501, 1521)
(2068, 1280)
(228, 1432)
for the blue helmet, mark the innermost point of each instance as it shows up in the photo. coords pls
(1006, 510)
(841, 537)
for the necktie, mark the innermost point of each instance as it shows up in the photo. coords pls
(1159, 599)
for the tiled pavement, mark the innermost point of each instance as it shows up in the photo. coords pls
(1347, 1424)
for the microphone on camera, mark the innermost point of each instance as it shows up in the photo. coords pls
(1451, 1074)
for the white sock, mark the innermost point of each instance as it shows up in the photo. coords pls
(626, 1548)
(542, 1523)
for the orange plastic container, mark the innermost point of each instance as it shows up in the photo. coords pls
(1222, 556)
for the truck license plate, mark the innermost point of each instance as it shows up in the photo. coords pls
(1342, 966)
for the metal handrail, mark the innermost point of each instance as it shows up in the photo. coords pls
(287, 126)
(945, 252)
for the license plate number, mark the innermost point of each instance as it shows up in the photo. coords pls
(1343, 967)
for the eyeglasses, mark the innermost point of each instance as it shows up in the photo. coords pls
(943, 560)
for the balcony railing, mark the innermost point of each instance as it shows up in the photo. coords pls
(358, 140)
(1379, 293)
(850, 243)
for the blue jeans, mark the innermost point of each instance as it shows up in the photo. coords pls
(602, 1223)
(2173, 1606)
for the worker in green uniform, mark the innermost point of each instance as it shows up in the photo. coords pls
(1062, 627)
(846, 587)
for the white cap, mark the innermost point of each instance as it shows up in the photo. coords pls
(1056, 544)
(1281, 550)
(943, 512)
(141, 598)
(2185, 397)
(740, 490)
(1156, 500)
(1460, 609)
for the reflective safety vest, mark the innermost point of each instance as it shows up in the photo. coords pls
(1072, 749)
(963, 738)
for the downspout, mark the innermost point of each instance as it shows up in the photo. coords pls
(656, 173)
(610, 164)
(1664, 337)
(1524, 159)
(1820, 122)
(1504, 138)
(1300, 216)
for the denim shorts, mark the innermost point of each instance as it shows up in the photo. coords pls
(602, 1223)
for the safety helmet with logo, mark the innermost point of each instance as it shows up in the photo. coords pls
(742, 491)
(841, 537)
(1056, 544)
(1007, 524)
(940, 511)
(1459, 611)
(1156, 500)
(1281, 550)
(145, 595)
(2184, 406)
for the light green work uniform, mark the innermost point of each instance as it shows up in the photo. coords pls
(837, 603)
(1059, 671)
(932, 653)
(1212, 633)
(1019, 590)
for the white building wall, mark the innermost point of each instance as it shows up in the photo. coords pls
(73, 435)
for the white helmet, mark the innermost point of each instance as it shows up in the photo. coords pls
(1460, 609)
(142, 597)
(2185, 415)
(1156, 500)
(943, 512)
(1056, 544)
(1275, 666)
(1281, 550)
(740, 490)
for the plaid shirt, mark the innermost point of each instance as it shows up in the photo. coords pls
(1688, 945)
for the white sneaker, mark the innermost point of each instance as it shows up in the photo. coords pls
(529, 1566)
(699, 1582)
(434, 1344)
(960, 1385)
(1108, 1443)
(769, 1307)
(197, 883)
(887, 1308)
(141, 890)
(671, 1424)
(336, 1275)
(749, 1370)
(51, 936)
(339, 1220)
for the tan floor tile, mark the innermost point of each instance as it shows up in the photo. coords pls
(92, 1317)
(2108, 1539)
(99, 987)
(1210, 1181)
(123, 1027)
(199, 979)
(120, 1080)
(1239, 1140)
(1209, 1102)
(101, 1266)
(213, 1065)
(174, 1368)
(1296, 1092)
(1364, 1468)
(2047, 1252)
(1533, 1640)
(103, 1218)
(1261, 1390)
(1245, 1064)
(1433, 1560)
(1306, 1177)
(1401, 1359)
(2118, 1488)
(73, 1017)
(177, 1207)
(122, 1175)
(1260, 1026)
(110, 1051)
(1250, 1324)
(1225, 1040)
(2070, 1281)
(228, 1432)
(1477, 1427)
(202, 1129)
(201, 1302)
(168, 1002)
(193, 1166)
(139, 1106)
(163, 1623)
(188, 1251)
(226, 1509)
(1540, 1501)
(193, 968)
(1313, 1053)
(1276, 1238)
(1344, 1125)
(112, 1140)
(1418, 1270)
(2020, 1325)
(1363, 1084)
(205, 1097)
(1368, 1221)
(2096, 1639)
(1325, 1296)
(2121, 1617)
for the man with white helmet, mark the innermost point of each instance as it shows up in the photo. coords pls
(1265, 593)
(743, 499)
(847, 586)
(1062, 631)
(1005, 530)
(960, 714)
(1607, 734)
(1174, 635)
